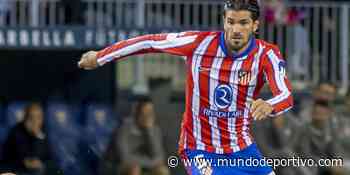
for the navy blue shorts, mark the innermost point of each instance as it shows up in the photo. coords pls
(245, 162)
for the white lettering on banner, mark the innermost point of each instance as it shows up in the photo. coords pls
(56, 38)
(100, 37)
(112, 37)
(46, 38)
(11, 37)
(69, 39)
(2, 38)
(23, 38)
(36, 38)
(122, 36)
(88, 37)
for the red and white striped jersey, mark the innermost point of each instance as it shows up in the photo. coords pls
(220, 86)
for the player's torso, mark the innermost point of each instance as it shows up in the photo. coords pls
(219, 92)
(223, 86)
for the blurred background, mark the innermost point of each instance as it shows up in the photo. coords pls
(124, 118)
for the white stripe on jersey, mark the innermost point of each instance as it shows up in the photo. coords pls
(249, 99)
(215, 135)
(279, 78)
(253, 80)
(233, 81)
(185, 140)
(245, 132)
(214, 76)
(197, 58)
(281, 112)
(233, 134)
(231, 122)
(163, 44)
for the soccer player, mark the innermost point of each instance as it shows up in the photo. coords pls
(225, 73)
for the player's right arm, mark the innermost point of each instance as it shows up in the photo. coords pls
(181, 44)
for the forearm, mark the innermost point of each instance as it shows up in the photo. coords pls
(180, 44)
(134, 46)
(275, 71)
(279, 107)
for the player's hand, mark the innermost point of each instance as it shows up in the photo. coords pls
(261, 109)
(88, 61)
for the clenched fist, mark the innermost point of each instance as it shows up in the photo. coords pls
(88, 61)
(260, 109)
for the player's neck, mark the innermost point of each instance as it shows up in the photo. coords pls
(240, 51)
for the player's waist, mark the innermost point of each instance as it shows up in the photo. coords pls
(249, 148)
(223, 124)
(233, 142)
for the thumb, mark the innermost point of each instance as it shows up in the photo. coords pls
(81, 63)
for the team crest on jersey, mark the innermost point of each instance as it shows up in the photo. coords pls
(244, 77)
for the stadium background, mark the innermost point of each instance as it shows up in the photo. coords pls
(42, 40)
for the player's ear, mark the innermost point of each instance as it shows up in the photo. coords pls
(256, 25)
(223, 16)
(224, 19)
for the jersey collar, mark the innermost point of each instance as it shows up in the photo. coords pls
(242, 55)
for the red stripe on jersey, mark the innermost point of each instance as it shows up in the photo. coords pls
(259, 83)
(284, 104)
(260, 77)
(204, 81)
(225, 72)
(130, 42)
(250, 120)
(277, 51)
(188, 119)
(271, 76)
(241, 99)
(182, 140)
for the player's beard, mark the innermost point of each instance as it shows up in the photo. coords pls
(238, 45)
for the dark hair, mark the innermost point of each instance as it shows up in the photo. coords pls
(250, 5)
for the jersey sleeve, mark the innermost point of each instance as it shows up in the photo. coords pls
(275, 72)
(181, 44)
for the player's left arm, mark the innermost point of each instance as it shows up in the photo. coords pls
(274, 67)
(180, 44)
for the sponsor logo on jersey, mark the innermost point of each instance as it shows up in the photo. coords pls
(223, 95)
(221, 114)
